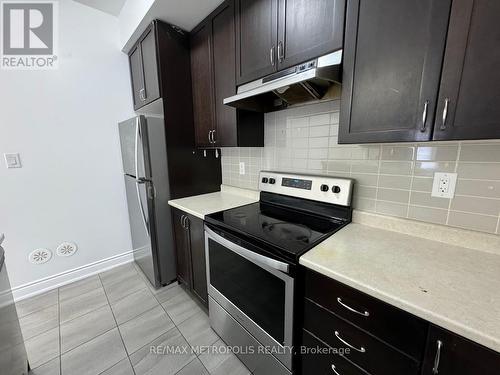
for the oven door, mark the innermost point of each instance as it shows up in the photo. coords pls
(257, 291)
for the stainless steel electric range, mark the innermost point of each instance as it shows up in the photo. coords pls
(252, 259)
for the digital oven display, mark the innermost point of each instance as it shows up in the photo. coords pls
(297, 183)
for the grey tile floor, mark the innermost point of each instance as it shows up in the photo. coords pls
(108, 324)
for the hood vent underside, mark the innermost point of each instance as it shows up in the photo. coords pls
(309, 82)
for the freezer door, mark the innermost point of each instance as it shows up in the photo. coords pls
(134, 148)
(140, 209)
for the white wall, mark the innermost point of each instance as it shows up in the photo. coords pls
(64, 125)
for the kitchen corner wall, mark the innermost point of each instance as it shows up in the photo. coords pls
(391, 179)
(64, 125)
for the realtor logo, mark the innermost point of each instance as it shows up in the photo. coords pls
(29, 31)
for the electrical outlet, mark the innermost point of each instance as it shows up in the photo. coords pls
(444, 185)
(242, 168)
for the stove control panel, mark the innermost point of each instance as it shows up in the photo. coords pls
(319, 188)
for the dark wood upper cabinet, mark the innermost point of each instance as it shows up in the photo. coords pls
(224, 68)
(449, 354)
(190, 254)
(470, 82)
(144, 68)
(307, 29)
(136, 75)
(202, 83)
(257, 33)
(150, 66)
(213, 71)
(277, 34)
(393, 53)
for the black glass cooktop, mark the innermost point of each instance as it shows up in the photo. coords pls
(292, 232)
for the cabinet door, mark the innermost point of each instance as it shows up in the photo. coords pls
(393, 54)
(470, 82)
(150, 66)
(224, 64)
(202, 84)
(457, 356)
(256, 31)
(198, 262)
(182, 248)
(136, 76)
(308, 29)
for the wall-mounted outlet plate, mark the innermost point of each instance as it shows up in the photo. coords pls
(444, 185)
(242, 168)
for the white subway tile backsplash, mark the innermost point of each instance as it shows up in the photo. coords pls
(390, 179)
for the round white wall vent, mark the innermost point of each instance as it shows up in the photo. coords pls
(66, 249)
(40, 256)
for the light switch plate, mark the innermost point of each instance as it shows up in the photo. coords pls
(12, 160)
(444, 185)
(242, 168)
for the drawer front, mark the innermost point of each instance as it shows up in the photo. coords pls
(319, 361)
(392, 325)
(365, 350)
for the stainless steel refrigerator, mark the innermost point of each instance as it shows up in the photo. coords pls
(144, 155)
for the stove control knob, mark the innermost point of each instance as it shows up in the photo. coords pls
(265, 180)
(335, 189)
(324, 187)
(272, 181)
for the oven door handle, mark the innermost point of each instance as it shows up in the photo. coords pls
(248, 254)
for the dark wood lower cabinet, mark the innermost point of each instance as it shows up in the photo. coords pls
(182, 249)
(449, 354)
(356, 321)
(320, 359)
(198, 261)
(190, 254)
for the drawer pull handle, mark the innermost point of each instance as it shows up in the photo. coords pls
(435, 369)
(339, 300)
(334, 370)
(361, 349)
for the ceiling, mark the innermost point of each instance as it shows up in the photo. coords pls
(112, 7)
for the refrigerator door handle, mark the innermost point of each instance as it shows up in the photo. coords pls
(139, 180)
(143, 214)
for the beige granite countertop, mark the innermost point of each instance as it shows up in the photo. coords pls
(454, 287)
(204, 204)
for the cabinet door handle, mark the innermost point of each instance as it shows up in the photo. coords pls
(182, 221)
(424, 116)
(335, 370)
(435, 369)
(365, 313)
(142, 94)
(186, 222)
(209, 136)
(281, 54)
(213, 136)
(445, 114)
(271, 55)
(361, 349)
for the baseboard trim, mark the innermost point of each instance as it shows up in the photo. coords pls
(55, 281)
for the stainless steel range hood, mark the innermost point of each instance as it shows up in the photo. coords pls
(306, 82)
